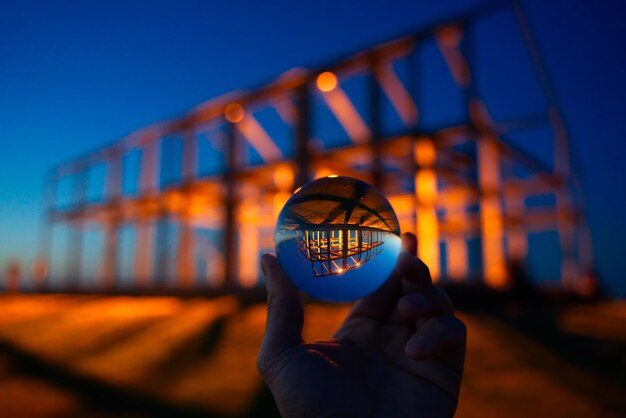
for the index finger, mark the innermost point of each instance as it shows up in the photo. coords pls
(285, 314)
(415, 274)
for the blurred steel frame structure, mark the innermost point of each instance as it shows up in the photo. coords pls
(411, 167)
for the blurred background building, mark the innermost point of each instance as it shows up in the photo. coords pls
(192, 201)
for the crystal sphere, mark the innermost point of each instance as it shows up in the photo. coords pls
(337, 238)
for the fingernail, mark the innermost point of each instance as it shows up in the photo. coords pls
(419, 346)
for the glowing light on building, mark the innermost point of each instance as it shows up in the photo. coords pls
(326, 81)
(234, 113)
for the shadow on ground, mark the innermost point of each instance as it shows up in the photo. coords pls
(74, 356)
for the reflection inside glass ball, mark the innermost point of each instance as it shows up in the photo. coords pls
(337, 238)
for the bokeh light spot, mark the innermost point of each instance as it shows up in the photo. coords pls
(234, 112)
(326, 81)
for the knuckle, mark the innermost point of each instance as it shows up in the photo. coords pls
(263, 364)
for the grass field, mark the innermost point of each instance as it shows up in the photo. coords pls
(123, 356)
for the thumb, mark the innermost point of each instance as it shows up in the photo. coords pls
(285, 316)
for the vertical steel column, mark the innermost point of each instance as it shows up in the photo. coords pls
(456, 248)
(492, 225)
(302, 133)
(186, 244)
(283, 183)
(488, 156)
(143, 253)
(230, 205)
(374, 119)
(41, 272)
(145, 228)
(344, 248)
(248, 244)
(517, 240)
(109, 262)
(114, 173)
(113, 192)
(75, 242)
(413, 78)
(566, 218)
(328, 253)
(162, 261)
(425, 154)
(359, 235)
(186, 267)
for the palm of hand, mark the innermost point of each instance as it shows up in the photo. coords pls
(369, 369)
(365, 373)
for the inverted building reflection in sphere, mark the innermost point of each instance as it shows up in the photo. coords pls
(337, 238)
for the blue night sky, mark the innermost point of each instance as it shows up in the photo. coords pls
(75, 75)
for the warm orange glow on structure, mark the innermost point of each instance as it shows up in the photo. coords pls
(404, 207)
(248, 243)
(283, 177)
(175, 202)
(322, 172)
(456, 245)
(426, 197)
(283, 180)
(491, 213)
(326, 81)
(234, 113)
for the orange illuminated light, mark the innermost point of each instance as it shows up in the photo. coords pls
(175, 202)
(425, 152)
(326, 81)
(322, 172)
(283, 177)
(234, 113)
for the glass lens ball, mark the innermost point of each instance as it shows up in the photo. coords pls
(337, 238)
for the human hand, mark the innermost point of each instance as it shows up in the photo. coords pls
(399, 352)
